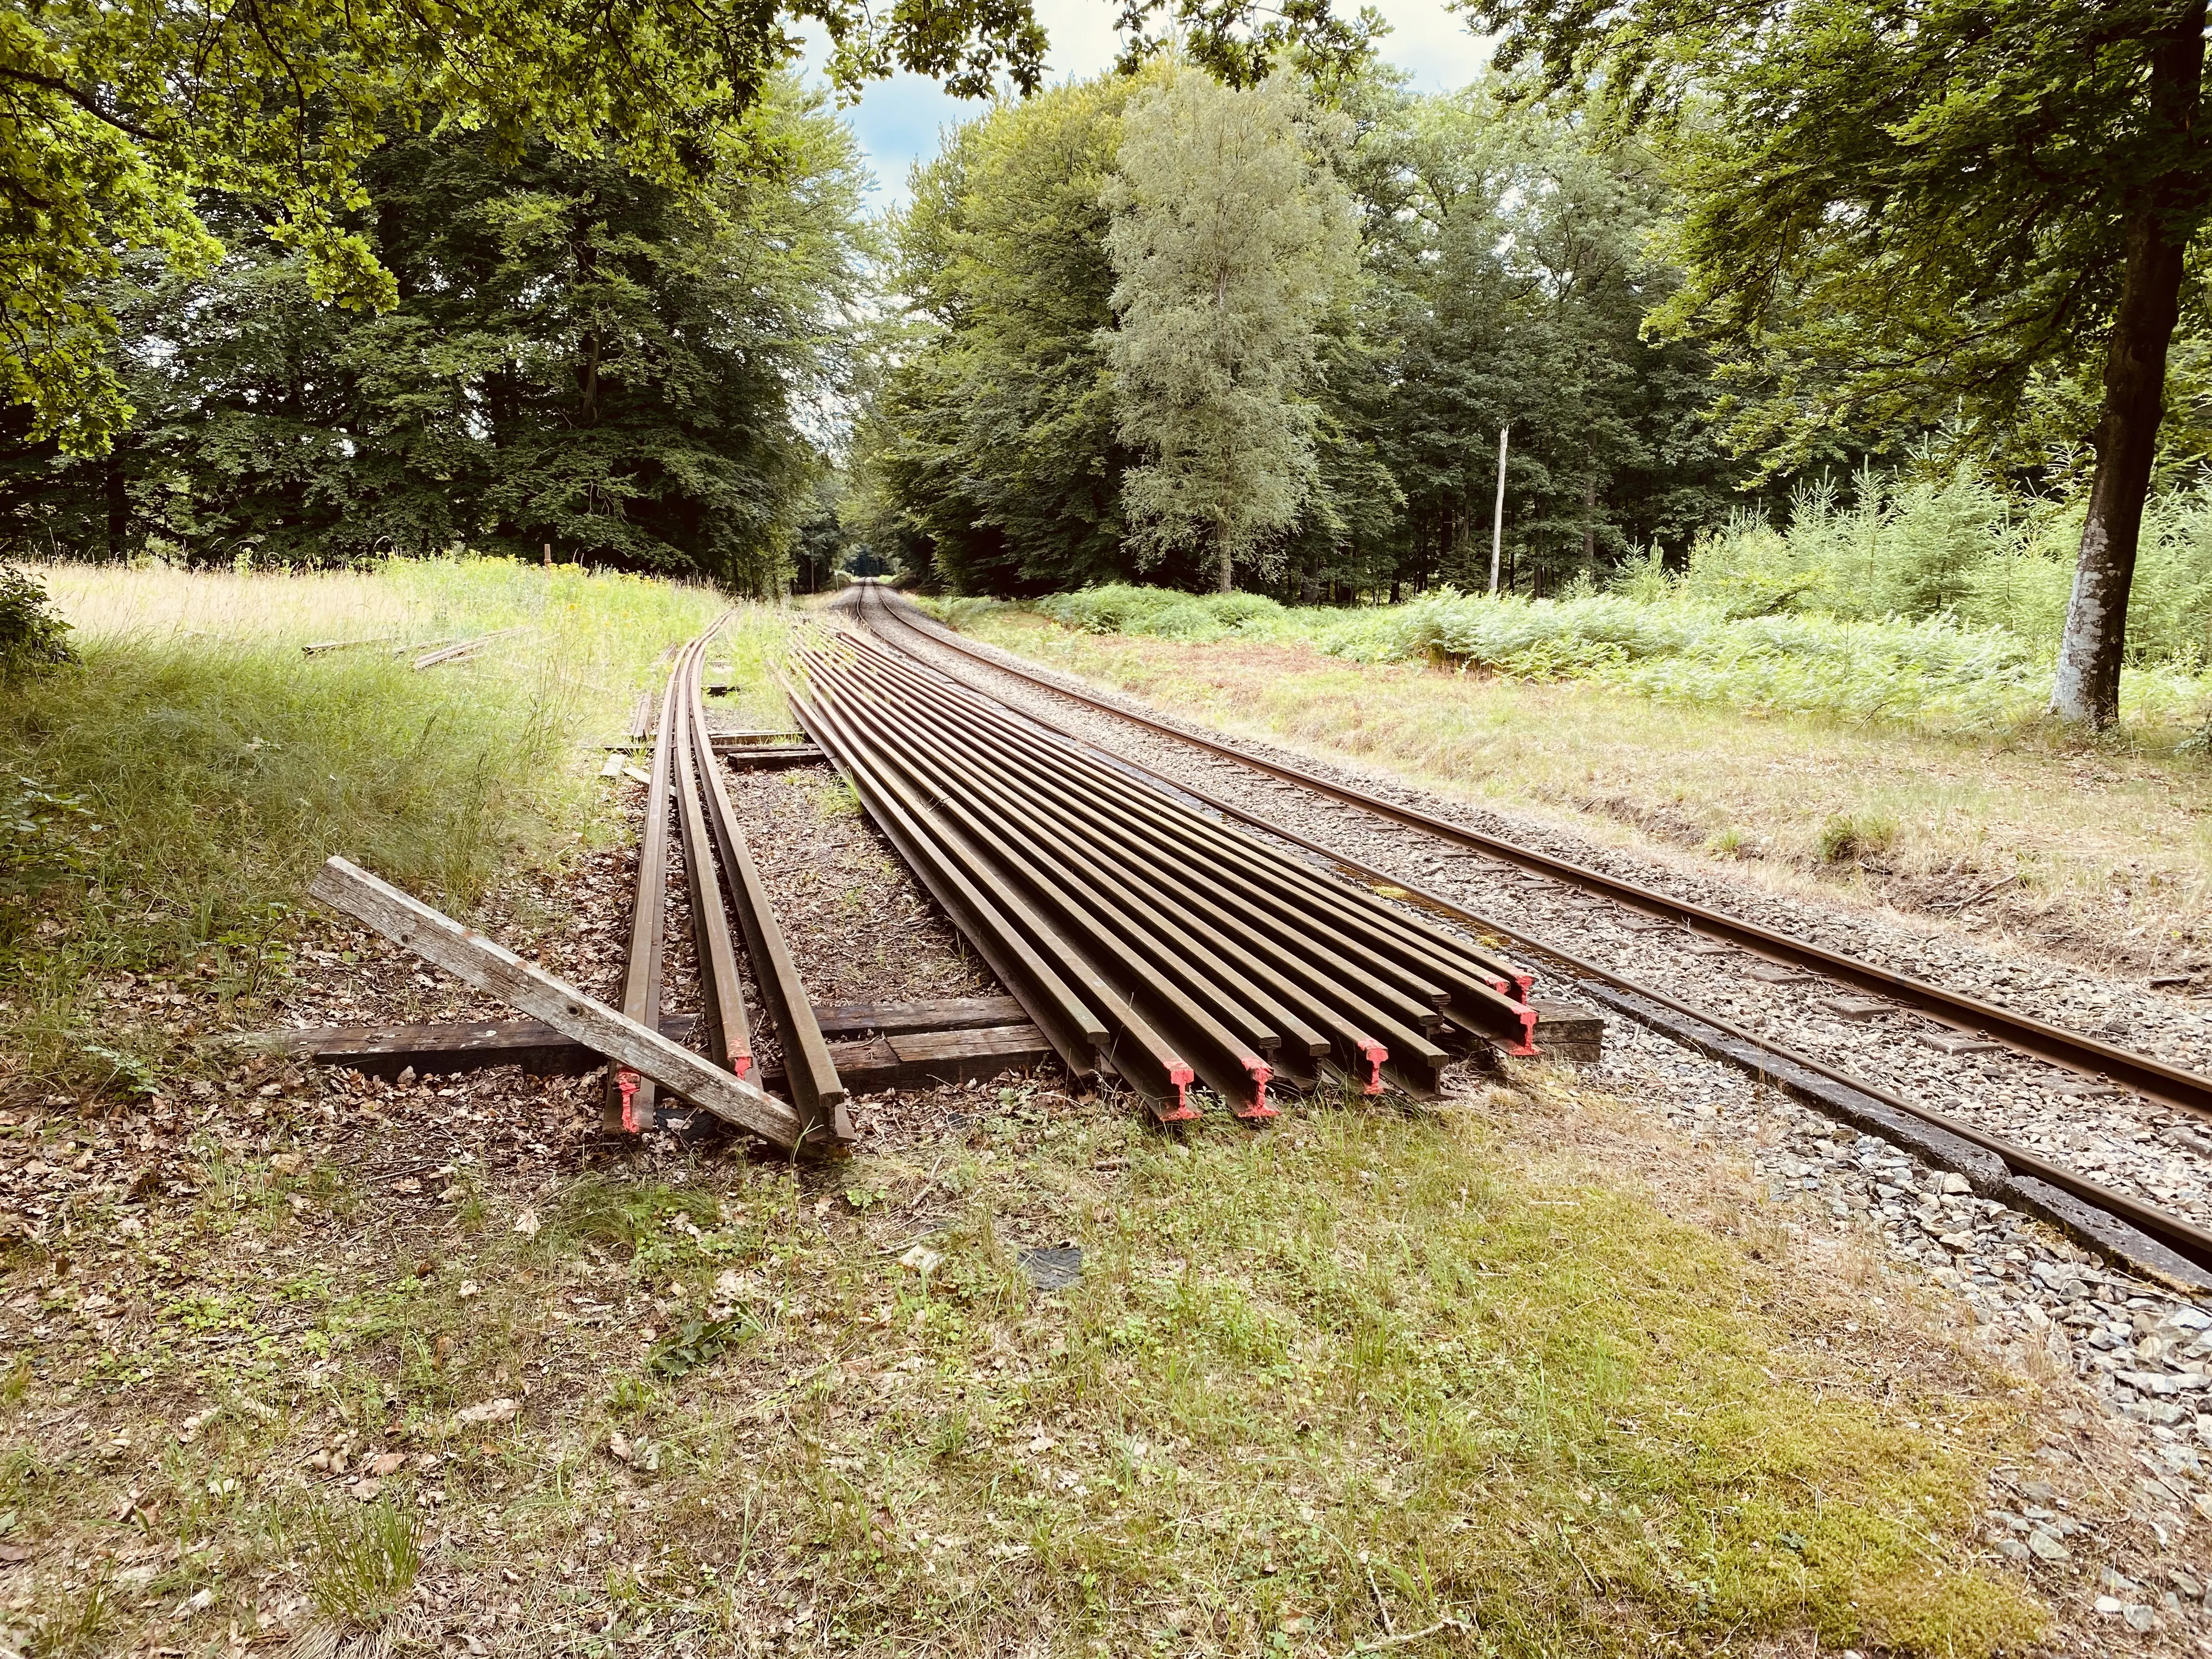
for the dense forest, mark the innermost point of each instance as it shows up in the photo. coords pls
(1492, 266)
(579, 359)
(1244, 311)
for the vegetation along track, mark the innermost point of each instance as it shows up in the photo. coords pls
(2010, 1131)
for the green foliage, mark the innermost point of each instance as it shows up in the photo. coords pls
(1121, 609)
(1514, 254)
(1887, 214)
(578, 355)
(988, 455)
(1232, 242)
(113, 115)
(31, 635)
(696, 1342)
(362, 1563)
(1509, 258)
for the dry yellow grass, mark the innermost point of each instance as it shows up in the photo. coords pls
(2092, 848)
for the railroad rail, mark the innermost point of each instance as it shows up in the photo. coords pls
(1140, 935)
(2076, 1051)
(687, 792)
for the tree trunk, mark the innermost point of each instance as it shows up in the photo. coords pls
(2087, 687)
(119, 506)
(1227, 583)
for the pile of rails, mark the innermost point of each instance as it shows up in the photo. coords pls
(1141, 936)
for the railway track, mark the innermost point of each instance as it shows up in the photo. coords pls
(2024, 1175)
(688, 791)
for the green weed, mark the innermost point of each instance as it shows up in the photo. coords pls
(1846, 839)
(362, 1563)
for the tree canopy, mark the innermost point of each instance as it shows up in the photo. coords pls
(577, 355)
(1897, 213)
(1501, 262)
(117, 121)
(1232, 240)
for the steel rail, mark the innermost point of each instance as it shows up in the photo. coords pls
(2071, 1050)
(1056, 987)
(2177, 1231)
(729, 1033)
(629, 1097)
(1420, 959)
(687, 784)
(1229, 1060)
(1354, 1005)
(1174, 949)
(809, 1072)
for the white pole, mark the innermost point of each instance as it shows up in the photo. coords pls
(1497, 519)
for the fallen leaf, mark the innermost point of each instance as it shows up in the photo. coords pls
(287, 1163)
(921, 1259)
(365, 1491)
(618, 1448)
(388, 1463)
(469, 1288)
(492, 1411)
(526, 1222)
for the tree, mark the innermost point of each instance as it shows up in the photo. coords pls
(1896, 211)
(578, 355)
(1513, 258)
(1232, 242)
(989, 450)
(115, 120)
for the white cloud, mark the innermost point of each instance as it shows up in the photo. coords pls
(899, 121)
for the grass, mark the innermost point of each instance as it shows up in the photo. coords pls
(171, 795)
(1501, 1377)
(2101, 848)
(362, 1563)
(1453, 1372)
(1673, 641)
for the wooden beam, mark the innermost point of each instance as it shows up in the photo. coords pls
(763, 757)
(851, 1020)
(496, 971)
(451, 1045)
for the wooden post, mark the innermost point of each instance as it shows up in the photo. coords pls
(492, 968)
(1497, 516)
(549, 555)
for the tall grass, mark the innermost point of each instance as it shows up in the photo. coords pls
(168, 796)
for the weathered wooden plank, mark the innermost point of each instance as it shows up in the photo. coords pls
(496, 971)
(451, 1047)
(724, 742)
(1005, 1043)
(1572, 1033)
(924, 1059)
(765, 757)
(849, 1019)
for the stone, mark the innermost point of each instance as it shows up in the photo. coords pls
(2140, 1619)
(1053, 1268)
(2047, 1546)
(1956, 1184)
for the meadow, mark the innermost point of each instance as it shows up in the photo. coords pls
(170, 793)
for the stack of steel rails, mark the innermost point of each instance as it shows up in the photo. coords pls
(1139, 935)
(688, 793)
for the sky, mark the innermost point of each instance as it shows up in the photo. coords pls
(898, 120)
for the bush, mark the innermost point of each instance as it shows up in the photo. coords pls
(1163, 612)
(31, 635)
